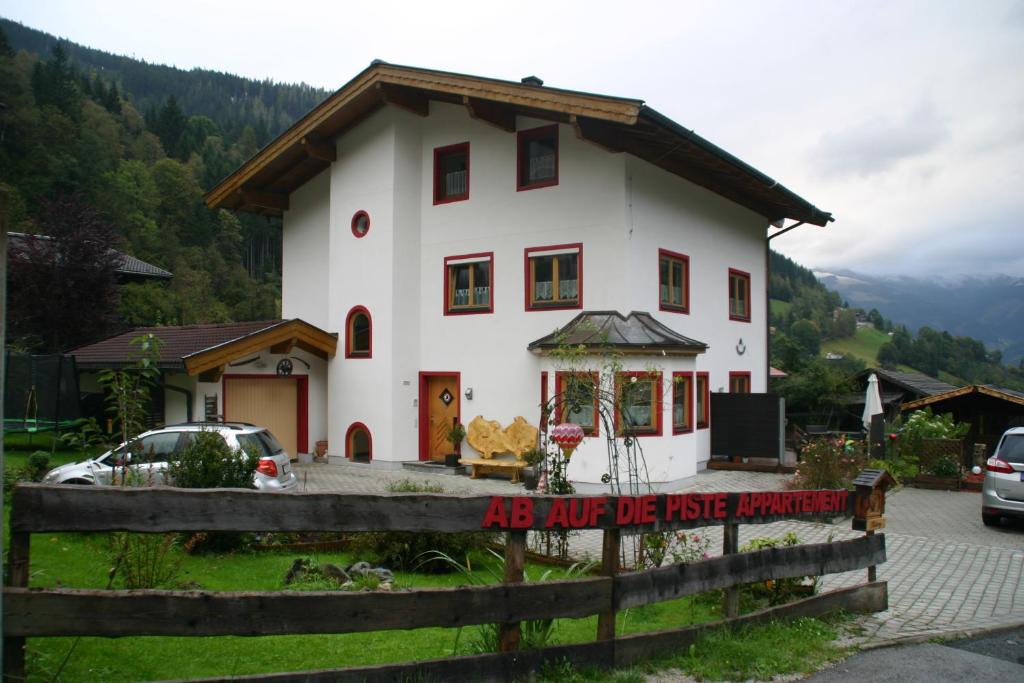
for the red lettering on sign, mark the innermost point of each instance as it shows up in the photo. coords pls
(808, 501)
(776, 503)
(579, 509)
(744, 508)
(597, 506)
(496, 513)
(844, 500)
(692, 506)
(720, 505)
(558, 515)
(648, 510)
(624, 510)
(673, 505)
(522, 512)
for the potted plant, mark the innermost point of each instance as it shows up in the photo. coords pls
(531, 473)
(456, 433)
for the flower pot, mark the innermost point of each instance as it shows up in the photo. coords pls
(452, 460)
(530, 478)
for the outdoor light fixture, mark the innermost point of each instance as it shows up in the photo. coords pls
(469, 393)
(741, 348)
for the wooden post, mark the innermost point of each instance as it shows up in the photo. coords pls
(515, 558)
(730, 546)
(609, 567)
(872, 569)
(17, 577)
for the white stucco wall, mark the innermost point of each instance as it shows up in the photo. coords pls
(305, 263)
(621, 209)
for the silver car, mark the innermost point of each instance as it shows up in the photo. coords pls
(1002, 494)
(147, 456)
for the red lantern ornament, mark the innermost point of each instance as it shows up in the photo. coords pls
(568, 436)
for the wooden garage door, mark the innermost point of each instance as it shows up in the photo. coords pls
(270, 403)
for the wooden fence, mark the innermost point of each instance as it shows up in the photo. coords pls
(71, 612)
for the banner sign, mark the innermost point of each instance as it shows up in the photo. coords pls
(671, 510)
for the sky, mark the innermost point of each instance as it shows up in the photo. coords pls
(903, 119)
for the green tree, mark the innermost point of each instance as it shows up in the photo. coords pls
(807, 335)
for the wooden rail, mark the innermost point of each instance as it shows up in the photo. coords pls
(68, 612)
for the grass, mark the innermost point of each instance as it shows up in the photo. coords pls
(82, 561)
(864, 344)
(779, 307)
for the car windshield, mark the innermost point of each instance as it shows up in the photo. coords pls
(262, 444)
(1012, 449)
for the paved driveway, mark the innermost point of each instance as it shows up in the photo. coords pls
(947, 572)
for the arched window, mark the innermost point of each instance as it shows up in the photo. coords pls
(358, 333)
(358, 443)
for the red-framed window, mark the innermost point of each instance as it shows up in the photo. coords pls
(358, 443)
(739, 295)
(638, 403)
(360, 223)
(554, 277)
(673, 281)
(739, 382)
(451, 173)
(469, 284)
(537, 158)
(702, 400)
(577, 399)
(682, 402)
(358, 333)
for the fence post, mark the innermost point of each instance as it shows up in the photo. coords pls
(730, 546)
(872, 569)
(515, 557)
(17, 576)
(609, 567)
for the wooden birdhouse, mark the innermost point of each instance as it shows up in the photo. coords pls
(869, 499)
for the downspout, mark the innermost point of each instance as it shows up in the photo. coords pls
(188, 398)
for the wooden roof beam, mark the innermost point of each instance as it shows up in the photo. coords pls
(322, 151)
(589, 131)
(409, 100)
(501, 117)
(265, 200)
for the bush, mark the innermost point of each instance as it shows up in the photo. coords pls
(209, 463)
(407, 550)
(829, 463)
(38, 465)
(144, 560)
(776, 591)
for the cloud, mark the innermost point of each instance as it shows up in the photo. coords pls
(877, 145)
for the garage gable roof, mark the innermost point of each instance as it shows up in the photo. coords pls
(263, 183)
(196, 348)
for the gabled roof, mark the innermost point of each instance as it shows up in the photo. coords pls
(262, 184)
(636, 333)
(128, 266)
(1001, 393)
(196, 348)
(915, 382)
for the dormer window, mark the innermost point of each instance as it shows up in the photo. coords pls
(451, 173)
(537, 158)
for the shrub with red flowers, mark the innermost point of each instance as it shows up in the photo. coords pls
(829, 463)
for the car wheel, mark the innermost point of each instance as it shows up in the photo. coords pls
(990, 520)
(78, 482)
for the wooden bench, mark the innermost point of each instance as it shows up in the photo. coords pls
(479, 466)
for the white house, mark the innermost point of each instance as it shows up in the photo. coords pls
(443, 226)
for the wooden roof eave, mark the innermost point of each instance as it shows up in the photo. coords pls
(962, 391)
(296, 332)
(226, 194)
(625, 349)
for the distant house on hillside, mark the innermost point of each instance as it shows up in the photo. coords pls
(896, 388)
(129, 268)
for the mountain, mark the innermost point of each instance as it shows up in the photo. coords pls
(989, 308)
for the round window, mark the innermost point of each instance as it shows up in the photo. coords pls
(360, 223)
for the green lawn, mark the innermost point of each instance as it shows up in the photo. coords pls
(779, 307)
(864, 345)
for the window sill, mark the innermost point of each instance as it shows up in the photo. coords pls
(450, 200)
(556, 306)
(671, 308)
(474, 310)
(538, 185)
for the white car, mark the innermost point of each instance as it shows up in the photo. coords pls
(148, 454)
(1002, 494)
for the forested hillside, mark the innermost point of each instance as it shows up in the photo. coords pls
(139, 144)
(805, 314)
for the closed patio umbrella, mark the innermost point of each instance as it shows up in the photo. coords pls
(872, 401)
